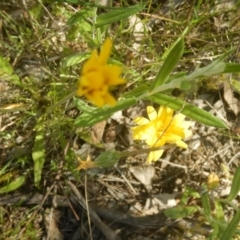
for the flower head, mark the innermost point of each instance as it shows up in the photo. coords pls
(160, 128)
(98, 76)
(86, 164)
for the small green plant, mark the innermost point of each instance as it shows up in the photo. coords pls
(211, 209)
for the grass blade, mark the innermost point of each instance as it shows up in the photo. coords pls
(98, 115)
(235, 186)
(189, 110)
(38, 152)
(231, 228)
(118, 14)
(175, 53)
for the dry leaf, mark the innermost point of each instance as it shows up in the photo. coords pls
(159, 202)
(50, 219)
(97, 131)
(110, 133)
(229, 97)
(13, 107)
(144, 174)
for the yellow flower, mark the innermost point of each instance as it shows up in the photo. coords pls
(97, 77)
(86, 164)
(161, 128)
(212, 181)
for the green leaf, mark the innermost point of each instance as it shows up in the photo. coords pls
(215, 232)
(182, 82)
(137, 91)
(118, 14)
(74, 59)
(107, 159)
(6, 72)
(206, 205)
(189, 110)
(188, 192)
(231, 228)
(180, 211)
(92, 116)
(219, 210)
(175, 53)
(216, 67)
(235, 84)
(235, 186)
(13, 185)
(232, 68)
(177, 75)
(80, 16)
(38, 152)
(83, 106)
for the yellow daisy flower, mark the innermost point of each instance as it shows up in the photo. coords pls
(160, 128)
(97, 77)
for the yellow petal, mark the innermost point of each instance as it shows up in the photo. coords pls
(143, 132)
(176, 130)
(112, 73)
(178, 118)
(155, 141)
(152, 114)
(167, 120)
(109, 99)
(96, 80)
(113, 70)
(97, 77)
(154, 155)
(91, 64)
(96, 98)
(172, 137)
(165, 113)
(86, 164)
(141, 120)
(105, 51)
(181, 144)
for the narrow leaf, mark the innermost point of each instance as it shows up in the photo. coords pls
(118, 14)
(6, 72)
(189, 110)
(38, 152)
(231, 228)
(232, 68)
(235, 186)
(98, 115)
(169, 64)
(206, 206)
(74, 59)
(219, 210)
(80, 16)
(13, 185)
(107, 159)
(137, 91)
(180, 211)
